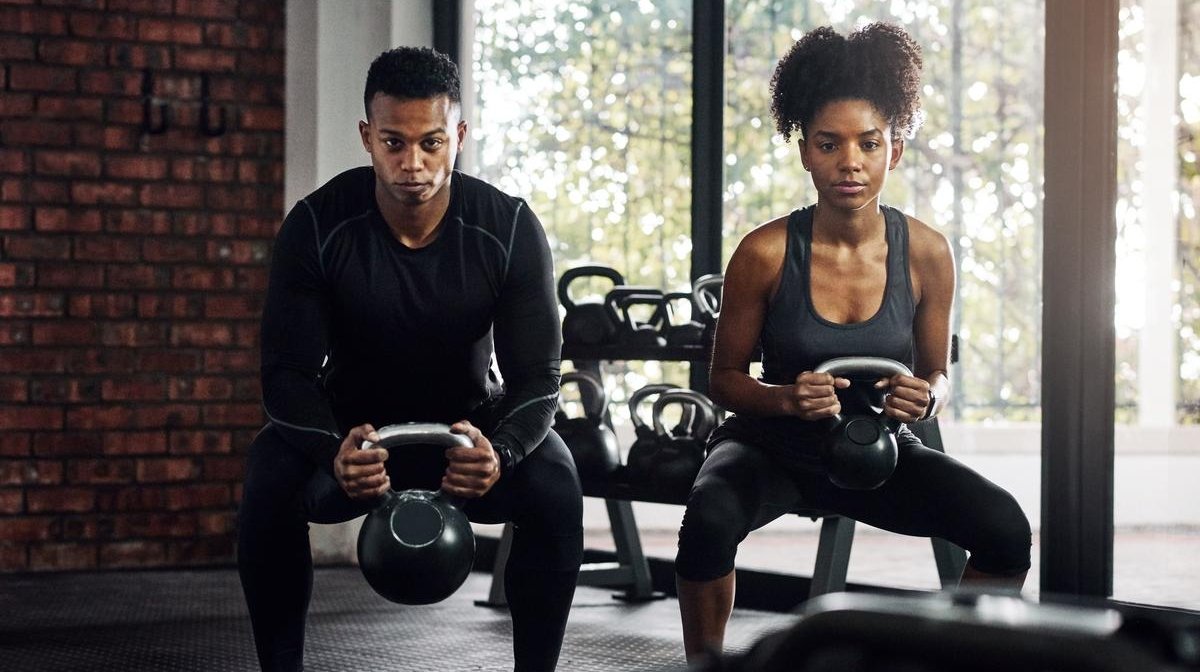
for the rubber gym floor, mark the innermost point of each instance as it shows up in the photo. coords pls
(195, 620)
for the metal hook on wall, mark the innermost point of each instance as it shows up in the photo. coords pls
(206, 122)
(150, 124)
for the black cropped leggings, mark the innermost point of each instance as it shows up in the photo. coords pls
(742, 487)
(284, 491)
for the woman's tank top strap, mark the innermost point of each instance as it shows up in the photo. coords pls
(795, 338)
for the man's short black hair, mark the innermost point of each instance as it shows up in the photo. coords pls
(411, 73)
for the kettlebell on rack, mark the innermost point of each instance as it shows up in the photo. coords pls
(682, 331)
(639, 462)
(591, 441)
(860, 452)
(634, 332)
(706, 298)
(587, 322)
(416, 546)
(678, 456)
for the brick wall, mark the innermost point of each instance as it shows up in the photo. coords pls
(132, 270)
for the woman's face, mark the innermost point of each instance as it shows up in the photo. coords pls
(848, 149)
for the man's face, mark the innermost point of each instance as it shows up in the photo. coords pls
(413, 144)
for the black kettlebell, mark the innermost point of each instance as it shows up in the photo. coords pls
(587, 322)
(681, 453)
(590, 439)
(640, 461)
(706, 298)
(860, 453)
(682, 330)
(648, 332)
(416, 546)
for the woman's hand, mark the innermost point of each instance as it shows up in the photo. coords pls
(908, 399)
(814, 396)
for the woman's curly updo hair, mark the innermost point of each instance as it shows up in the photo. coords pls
(878, 63)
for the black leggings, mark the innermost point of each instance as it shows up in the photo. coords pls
(284, 491)
(742, 487)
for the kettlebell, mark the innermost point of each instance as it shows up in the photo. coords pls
(587, 322)
(591, 441)
(416, 546)
(679, 455)
(639, 462)
(648, 332)
(859, 452)
(682, 330)
(706, 298)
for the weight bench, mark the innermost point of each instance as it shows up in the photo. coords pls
(631, 572)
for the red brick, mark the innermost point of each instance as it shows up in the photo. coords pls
(54, 107)
(30, 417)
(29, 77)
(236, 36)
(193, 442)
(13, 391)
(190, 497)
(66, 444)
(135, 167)
(262, 118)
(64, 333)
(206, 60)
(205, 335)
(141, 6)
(133, 390)
(132, 554)
(260, 64)
(72, 220)
(27, 528)
(252, 279)
(17, 48)
(59, 499)
(70, 163)
(16, 104)
(135, 443)
(35, 132)
(215, 522)
(234, 198)
(17, 275)
(166, 250)
(137, 277)
(31, 472)
(166, 470)
(13, 189)
(13, 160)
(71, 52)
(88, 527)
(49, 191)
(99, 417)
(110, 26)
(14, 444)
(13, 217)
(175, 31)
(12, 501)
(101, 305)
(171, 196)
(13, 557)
(224, 468)
(201, 389)
(62, 556)
(103, 193)
(80, 276)
(239, 251)
(31, 361)
(29, 21)
(37, 247)
(14, 333)
(100, 360)
(64, 390)
(116, 138)
(221, 361)
(110, 83)
(13, 304)
(236, 415)
(158, 525)
(133, 334)
(173, 306)
(139, 56)
(203, 278)
(175, 361)
(138, 221)
(167, 416)
(136, 498)
(209, 9)
(245, 335)
(105, 471)
(233, 307)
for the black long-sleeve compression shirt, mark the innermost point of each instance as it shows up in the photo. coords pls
(359, 328)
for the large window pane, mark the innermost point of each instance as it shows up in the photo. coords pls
(1157, 436)
(973, 171)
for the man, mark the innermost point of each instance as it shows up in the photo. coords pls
(410, 292)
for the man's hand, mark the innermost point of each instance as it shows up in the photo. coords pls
(908, 398)
(471, 471)
(814, 395)
(360, 472)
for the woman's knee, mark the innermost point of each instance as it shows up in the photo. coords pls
(1005, 538)
(710, 532)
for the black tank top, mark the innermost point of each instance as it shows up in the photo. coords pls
(796, 339)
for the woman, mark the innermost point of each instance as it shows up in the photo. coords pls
(844, 277)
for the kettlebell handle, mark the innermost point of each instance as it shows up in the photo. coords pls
(870, 365)
(426, 433)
